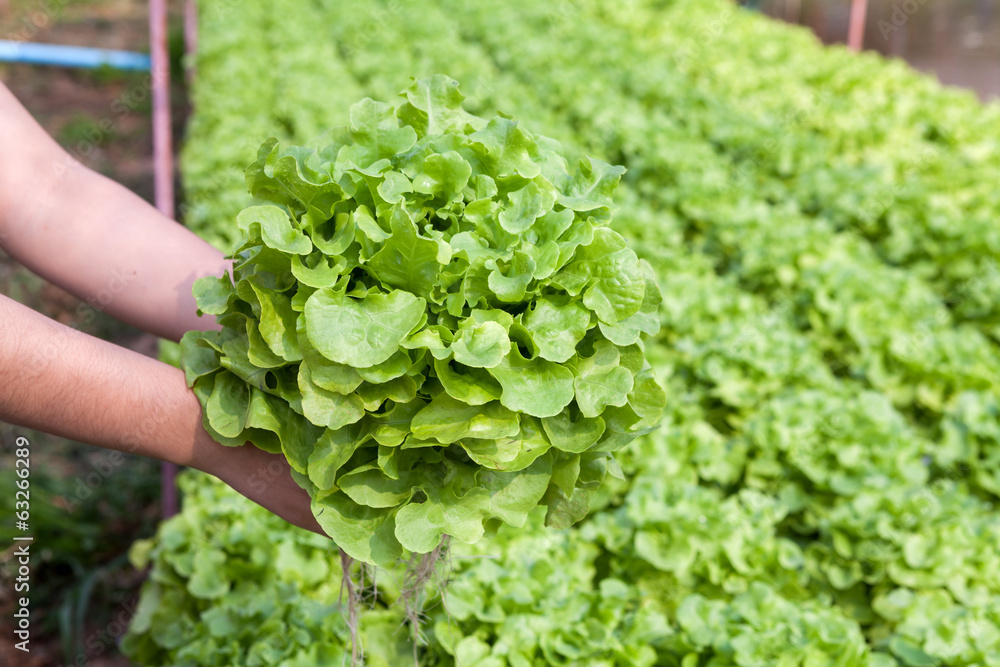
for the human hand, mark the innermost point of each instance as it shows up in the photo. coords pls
(262, 477)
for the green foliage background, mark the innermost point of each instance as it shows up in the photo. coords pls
(823, 229)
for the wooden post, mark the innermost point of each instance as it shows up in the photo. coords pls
(856, 32)
(163, 172)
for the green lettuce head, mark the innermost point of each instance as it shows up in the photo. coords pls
(431, 319)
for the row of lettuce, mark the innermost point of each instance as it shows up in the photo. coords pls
(822, 489)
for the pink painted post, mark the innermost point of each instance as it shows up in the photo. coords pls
(163, 172)
(856, 32)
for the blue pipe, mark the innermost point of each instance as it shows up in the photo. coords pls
(71, 56)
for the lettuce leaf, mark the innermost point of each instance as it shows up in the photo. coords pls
(420, 288)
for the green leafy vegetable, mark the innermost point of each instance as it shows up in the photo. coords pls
(432, 292)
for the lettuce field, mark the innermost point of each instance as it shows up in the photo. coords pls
(824, 229)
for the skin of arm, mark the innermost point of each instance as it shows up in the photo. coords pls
(56, 379)
(95, 239)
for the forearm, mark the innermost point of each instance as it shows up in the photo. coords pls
(93, 237)
(61, 381)
(120, 256)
